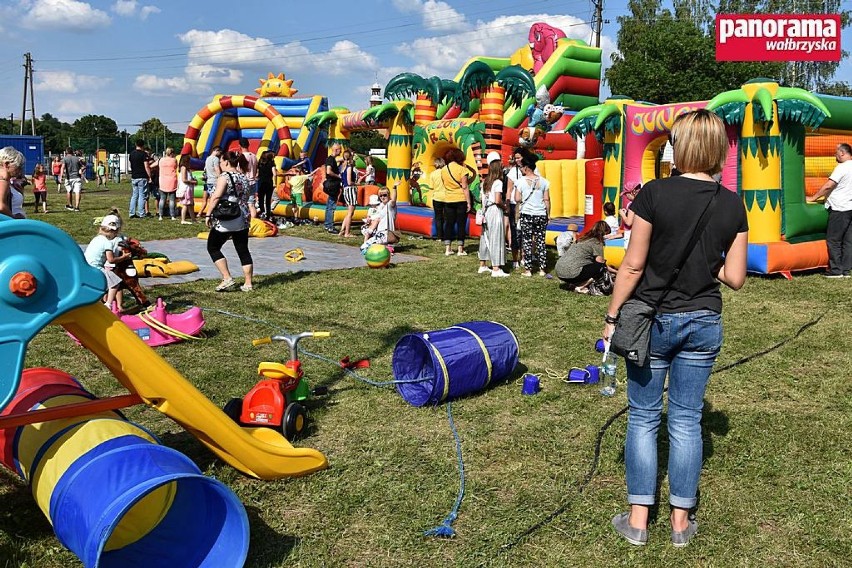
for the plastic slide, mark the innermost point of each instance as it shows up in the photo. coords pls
(258, 452)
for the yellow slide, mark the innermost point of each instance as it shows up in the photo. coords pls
(260, 452)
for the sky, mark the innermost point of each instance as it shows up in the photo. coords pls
(134, 60)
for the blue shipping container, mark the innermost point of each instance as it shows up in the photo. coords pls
(32, 147)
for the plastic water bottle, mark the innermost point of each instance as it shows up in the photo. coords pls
(608, 369)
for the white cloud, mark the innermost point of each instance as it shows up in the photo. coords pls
(151, 84)
(146, 11)
(124, 7)
(224, 57)
(437, 16)
(67, 82)
(344, 57)
(76, 107)
(130, 8)
(67, 15)
(445, 55)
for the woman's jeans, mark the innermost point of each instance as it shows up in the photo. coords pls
(685, 346)
(166, 198)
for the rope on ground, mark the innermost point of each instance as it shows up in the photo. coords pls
(348, 371)
(445, 529)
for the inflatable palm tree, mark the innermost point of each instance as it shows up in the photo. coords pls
(606, 120)
(763, 109)
(480, 82)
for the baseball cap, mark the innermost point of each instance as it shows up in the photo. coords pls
(111, 222)
(493, 156)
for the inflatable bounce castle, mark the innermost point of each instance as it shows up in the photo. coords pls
(545, 96)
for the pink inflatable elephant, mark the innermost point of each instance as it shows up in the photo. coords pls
(543, 39)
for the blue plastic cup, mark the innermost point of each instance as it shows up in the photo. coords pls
(531, 384)
(594, 374)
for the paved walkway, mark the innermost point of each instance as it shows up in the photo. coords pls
(268, 256)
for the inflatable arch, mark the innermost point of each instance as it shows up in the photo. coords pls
(781, 143)
(190, 140)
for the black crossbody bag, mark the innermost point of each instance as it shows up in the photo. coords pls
(632, 336)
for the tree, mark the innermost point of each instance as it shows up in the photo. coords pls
(667, 57)
(664, 57)
(157, 136)
(55, 133)
(361, 142)
(87, 131)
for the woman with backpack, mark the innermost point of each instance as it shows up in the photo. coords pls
(231, 185)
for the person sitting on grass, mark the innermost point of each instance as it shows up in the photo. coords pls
(583, 262)
(382, 226)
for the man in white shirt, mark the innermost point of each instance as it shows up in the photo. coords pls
(838, 232)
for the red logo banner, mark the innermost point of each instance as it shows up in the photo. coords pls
(778, 37)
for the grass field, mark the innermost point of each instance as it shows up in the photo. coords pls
(777, 469)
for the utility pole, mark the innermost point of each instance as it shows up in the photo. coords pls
(28, 83)
(597, 22)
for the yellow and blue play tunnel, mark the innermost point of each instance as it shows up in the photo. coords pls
(115, 497)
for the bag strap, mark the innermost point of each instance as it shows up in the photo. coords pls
(693, 240)
(231, 187)
(452, 177)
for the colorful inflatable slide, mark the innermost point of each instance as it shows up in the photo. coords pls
(152, 506)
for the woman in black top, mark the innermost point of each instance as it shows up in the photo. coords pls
(266, 174)
(686, 334)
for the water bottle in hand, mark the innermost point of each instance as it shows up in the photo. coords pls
(608, 369)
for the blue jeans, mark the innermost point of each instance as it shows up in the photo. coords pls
(164, 199)
(684, 346)
(137, 197)
(330, 206)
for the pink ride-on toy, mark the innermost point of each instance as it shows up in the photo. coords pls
(276, 400)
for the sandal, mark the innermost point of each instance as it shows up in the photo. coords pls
(226, 285)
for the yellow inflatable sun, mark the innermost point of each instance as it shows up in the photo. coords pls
(274, 86)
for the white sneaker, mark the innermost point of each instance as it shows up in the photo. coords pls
(483, 270)
(499, 273)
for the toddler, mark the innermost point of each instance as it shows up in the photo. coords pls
(101, 254)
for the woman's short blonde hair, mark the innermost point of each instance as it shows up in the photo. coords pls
(12, 156)
(700, 142)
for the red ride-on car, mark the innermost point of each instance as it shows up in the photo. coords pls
(276, 400)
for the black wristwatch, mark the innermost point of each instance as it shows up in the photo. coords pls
(610, 319)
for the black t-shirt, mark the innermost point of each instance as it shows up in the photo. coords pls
(138, 159)
(673, 206)
(264, 172)
(332, 189)
(332, 162)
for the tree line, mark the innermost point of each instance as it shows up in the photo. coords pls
(667, 56)
(90, 131)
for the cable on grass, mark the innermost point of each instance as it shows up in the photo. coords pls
(599, 439)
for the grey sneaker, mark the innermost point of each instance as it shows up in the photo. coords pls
(637, 537)
(681, 538)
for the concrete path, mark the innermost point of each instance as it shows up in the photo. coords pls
(268, 256)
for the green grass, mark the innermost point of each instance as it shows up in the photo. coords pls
(775, 485)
